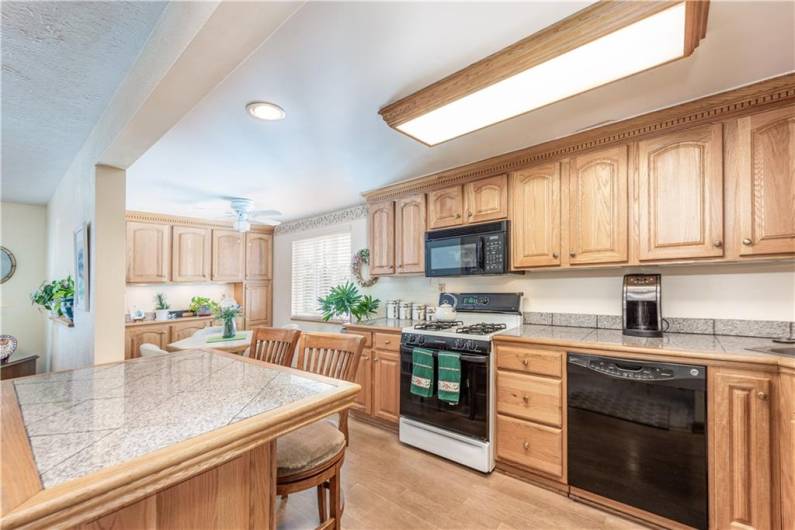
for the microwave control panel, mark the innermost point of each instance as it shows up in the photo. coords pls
(494, 258)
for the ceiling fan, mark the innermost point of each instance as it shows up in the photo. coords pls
(243, 211)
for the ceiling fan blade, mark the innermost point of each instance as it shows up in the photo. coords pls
(266, 221)
(266, 213)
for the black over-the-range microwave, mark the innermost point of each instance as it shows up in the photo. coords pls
(468, 250)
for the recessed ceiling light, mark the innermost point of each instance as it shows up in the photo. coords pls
(263, 110)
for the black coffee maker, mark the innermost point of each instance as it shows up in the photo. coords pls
(642, 308)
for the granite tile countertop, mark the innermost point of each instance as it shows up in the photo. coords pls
(718, 347)
(388, 324)
(81, 421)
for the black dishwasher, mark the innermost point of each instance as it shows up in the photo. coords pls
(637, 434)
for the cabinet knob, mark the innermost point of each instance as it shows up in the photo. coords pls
(572, 253)
(762, 396)
(525, 362)
(525, 398)
(526, 445)
(718, 243)
(387, 342)
(555, 255)
(458, 216)
(747, 242)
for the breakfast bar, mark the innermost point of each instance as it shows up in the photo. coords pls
(185, 440)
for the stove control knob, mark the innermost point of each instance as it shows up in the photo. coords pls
(469, 345)
(420, 339)
(458, 344)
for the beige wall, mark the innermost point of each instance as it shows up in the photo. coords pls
(746, 291)
(178, 296)
(23, 232)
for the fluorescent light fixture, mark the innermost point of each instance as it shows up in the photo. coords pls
(643, 44)
(263, 110)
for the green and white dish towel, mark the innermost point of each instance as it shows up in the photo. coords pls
(422, 372)
(449, 383)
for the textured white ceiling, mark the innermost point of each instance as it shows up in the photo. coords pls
(333, 65)
(61, 63)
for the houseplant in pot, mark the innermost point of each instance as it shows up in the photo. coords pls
(346, 302)
(57, 297)
(161, 307)
(227, 311)
(202, 306)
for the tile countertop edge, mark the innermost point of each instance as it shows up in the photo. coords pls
(380, 324)
(588, 342)
(111, 488)
(136, 323)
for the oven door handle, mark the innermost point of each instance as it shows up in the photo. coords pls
(474, 359)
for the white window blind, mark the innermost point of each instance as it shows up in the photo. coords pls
(319, 263)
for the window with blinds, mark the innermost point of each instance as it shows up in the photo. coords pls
(319, 263)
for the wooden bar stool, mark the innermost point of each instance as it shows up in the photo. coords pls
(312, 456)
(275, 346)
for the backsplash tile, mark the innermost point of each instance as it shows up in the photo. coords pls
(609, 322)
(752, 328)
(534, 317)
(576, 320)
(702, 326)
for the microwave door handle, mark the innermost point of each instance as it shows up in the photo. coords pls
(480, 254)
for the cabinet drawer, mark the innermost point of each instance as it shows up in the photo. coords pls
(532, 446)
(530, 397)
(530, 360)
(386, 341)
(368, 336)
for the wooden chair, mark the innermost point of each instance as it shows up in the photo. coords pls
(313, 455)
(275, 346)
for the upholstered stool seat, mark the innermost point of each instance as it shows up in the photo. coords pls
(307, 448)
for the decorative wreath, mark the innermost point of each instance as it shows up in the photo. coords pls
(362, 258)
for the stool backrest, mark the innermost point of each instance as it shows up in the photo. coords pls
(273, 345)
(330, 354)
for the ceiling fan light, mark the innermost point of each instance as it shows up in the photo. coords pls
(264, 110)
(241, 225)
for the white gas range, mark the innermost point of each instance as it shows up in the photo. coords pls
(462, 432)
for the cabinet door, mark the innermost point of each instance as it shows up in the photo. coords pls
(183, 330)
(680, 193)
(740, 430)
(148, 252)
(386, 385)
(536, 217)
(156, 334)
(258, 304)
(228, 256)
(381, 228)
(410, 234)
(766, 156)
(191, 254)
(446, 207)
(259, 256)
(364, 377)
(598, 207)
(487, 199)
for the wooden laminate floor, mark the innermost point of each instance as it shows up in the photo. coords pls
(390, 485)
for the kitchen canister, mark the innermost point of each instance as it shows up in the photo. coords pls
(392, 308)
(418, 312)
(405, 311)
(430, 311)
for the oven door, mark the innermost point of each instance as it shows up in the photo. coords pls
(470, 417)
(454, 256)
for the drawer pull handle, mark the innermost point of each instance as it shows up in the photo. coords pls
(762, 396)
(387, 342)
(525, 362)
(526, 445)
(747, 242)
(526, 398)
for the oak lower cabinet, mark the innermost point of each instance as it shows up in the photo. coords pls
(741, 468)
(680, 194)
(191, 254)
(228, 256)
(766, 187)
(535, 231)
(598, 204)
(148, 252)
(410, 234)
(379, 376)
(259, 256)
(157, 334)
(258, 304)
(381, 235)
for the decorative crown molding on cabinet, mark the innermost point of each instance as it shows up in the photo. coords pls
(342, 215)
(738, 102)
(152, 217)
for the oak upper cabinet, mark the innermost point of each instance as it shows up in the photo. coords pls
(446, 207)
(381, 231)
(157, 334)
(386, 384)
(741, 464)
(258, 304)
(486, 199)
(190, 254)
(680, 194)
(598, 207)
(259, 256)
(535, 232)
(228, 256)
(410, 234)
(148, 252)
(766, 190)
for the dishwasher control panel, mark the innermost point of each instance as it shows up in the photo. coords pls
(637, 370)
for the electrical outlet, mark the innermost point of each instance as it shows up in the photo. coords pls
(442, 287)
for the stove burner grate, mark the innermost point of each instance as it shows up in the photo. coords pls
(482, 328)
(439, 325)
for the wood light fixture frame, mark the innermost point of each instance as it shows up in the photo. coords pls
(587, 25)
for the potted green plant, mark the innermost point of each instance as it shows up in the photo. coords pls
(227, 311)
(57, 297)
(202, 306)
(161, 307)
(346, 302)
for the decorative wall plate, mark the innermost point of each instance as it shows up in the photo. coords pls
(8, 264)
